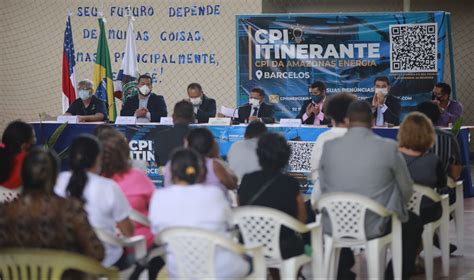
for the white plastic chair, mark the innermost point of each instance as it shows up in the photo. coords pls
(7, 195)
(137, 242)
(194, 251)
(346, 212)
(429, 229)
(261, 226)
(458, 209)
(139, 218)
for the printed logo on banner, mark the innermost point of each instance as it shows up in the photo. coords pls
(413, 48)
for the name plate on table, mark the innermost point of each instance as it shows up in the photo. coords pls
(68, 119)
(166, 120)
(219, 121)
(290, 122)
(126, 120)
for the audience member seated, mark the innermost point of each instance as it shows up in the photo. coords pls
(17, 139)
(104, 202)
(87, 108)
(415, 137)
(146, 106)
(188, 203)
(242, 155)
(203, 106)
(136, 186)
(446, 146)
(271, 187)
(451, 110)
(364, 163)
(165, 141)
(256, 109)
(312, 111)
(41, 219)
(336, 110)
(218, 174)
(385, 107)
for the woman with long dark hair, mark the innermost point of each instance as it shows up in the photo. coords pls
(106, 206)
(41, 219)
(17, 139)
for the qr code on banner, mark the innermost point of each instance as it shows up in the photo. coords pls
(413, 48)
(300, 159)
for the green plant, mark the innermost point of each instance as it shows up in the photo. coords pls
(457, 126)
(51, 141)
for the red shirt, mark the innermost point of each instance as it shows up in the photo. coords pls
(14, 181)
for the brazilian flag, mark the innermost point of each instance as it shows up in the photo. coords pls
(103, 73)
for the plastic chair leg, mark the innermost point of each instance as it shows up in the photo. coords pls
(428, 249)
(459, 222)
(444, 244)
(374, 262)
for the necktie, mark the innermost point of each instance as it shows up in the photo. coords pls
(255, 111)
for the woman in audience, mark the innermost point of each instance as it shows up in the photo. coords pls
(104, 202)
(40, 219)
(17, 139)
(271, 187)
(188, 203)
(415, 138)
(134, 183)
(202, 141)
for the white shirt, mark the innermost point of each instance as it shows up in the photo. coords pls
(243, 157)
(379, 121)
(330, 134)
(143, 103)
(105, 206)
(319, 118)
(198, 206)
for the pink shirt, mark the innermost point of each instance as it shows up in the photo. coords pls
(320, 117)
(138, 189)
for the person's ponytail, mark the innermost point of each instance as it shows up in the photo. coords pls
(82, 156)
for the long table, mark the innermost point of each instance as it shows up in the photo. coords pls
(301, 139)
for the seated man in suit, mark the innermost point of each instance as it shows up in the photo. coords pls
(204, 107)
(385, 107)
(165, 141)
(87, 107)
(146, 106)
(363, 163)
(256, 109)
(312, 110)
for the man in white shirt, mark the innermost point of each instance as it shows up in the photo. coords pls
(336, 110)
(242, 155)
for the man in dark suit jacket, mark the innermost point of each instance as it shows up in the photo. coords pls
(385, 107)
(165, 141)
(204, 107)
(146, 106)
(256, 109)
(312, 111)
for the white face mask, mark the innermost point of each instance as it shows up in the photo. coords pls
(254, 102)
(383, 91)
(195, 101)
(144, 90)
(83, 94)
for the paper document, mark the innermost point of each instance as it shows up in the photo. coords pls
(230, 112)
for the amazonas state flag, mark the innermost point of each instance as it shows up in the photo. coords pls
(103, 73)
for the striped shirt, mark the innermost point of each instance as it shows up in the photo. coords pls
(446, 147)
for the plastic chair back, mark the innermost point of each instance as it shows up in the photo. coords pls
(7, 195)
(47, 264)
(420, 191)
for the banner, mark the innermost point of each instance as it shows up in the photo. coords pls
(285, 54)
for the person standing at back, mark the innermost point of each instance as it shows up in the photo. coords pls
(165, 141)
(242, 155)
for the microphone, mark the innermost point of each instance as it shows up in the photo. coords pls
(234, 121)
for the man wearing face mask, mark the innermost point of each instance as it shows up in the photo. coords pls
(256, 109)
(87, 107)
(450, 110)
(385, 107)
(312, 110)
(146, 106)
(204, 107)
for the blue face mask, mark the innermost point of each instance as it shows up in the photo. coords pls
(317, 98)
